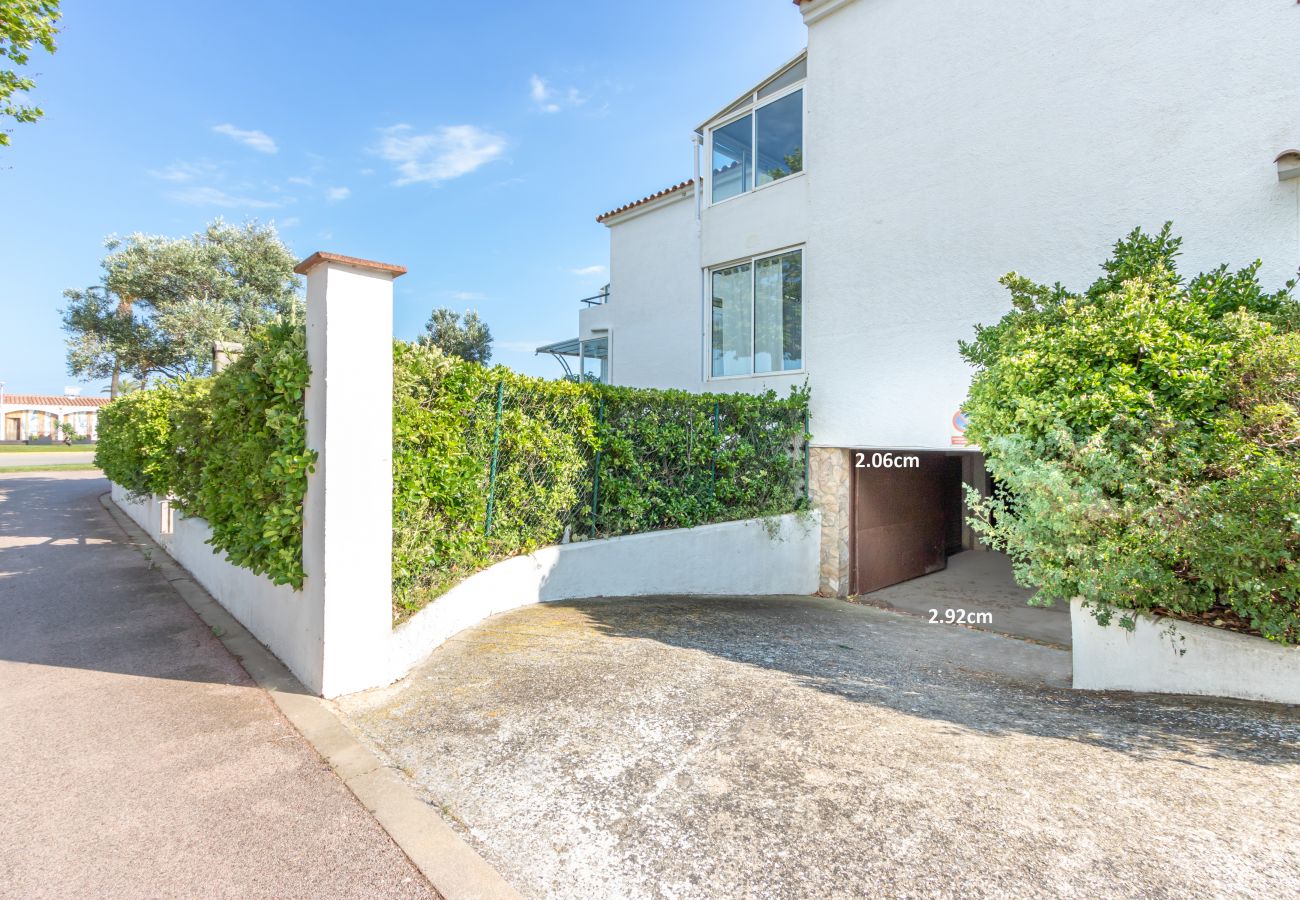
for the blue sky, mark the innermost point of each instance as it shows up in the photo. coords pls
(472, 143)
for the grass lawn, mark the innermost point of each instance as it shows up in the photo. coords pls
(65, 467)
(46, 448)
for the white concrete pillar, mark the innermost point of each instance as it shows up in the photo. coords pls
(348, 514)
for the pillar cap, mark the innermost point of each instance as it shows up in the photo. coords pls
(320, 256)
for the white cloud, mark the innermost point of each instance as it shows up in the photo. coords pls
(210, 196)
(588, 270)
(467, 296)
(447, 152)
(290, 222)
(367, 172)
(548, 99)
(337, 193)
(301, 179)
(542, 94)
(184, 171)
(257, 140)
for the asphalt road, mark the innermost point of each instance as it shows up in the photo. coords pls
(44, 460)
(139, 759)
(806, 748)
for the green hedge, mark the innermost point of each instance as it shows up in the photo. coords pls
(231, 449)
(592, 460)
(558, 456)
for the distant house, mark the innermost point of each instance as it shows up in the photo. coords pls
(851, 213)
(30, 416)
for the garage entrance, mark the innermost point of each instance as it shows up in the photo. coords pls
(908, 513)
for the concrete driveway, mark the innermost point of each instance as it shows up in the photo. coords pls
(139, 759)
(797, 747)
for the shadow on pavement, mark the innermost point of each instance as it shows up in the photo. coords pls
(973, 680)
(74, 593)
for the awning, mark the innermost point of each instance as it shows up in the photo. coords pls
(595, 348)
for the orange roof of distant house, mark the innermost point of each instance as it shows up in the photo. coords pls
(644, 200)
(53, 400)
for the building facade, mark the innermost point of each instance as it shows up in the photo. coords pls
(850, 217)
(29, 417)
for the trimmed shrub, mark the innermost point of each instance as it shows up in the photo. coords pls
(231, 449)
(444, 423)
(1144, 437)
(592, 460)
(559, 456)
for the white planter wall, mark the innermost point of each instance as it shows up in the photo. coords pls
(1193, 659)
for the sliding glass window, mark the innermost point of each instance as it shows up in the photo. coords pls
(733, 158)
(757, 316)
(758, 148)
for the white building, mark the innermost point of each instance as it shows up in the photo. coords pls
(33, 416)
(851, 215)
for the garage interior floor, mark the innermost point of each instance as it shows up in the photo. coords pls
(978, 581)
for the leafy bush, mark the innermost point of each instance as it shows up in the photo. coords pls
(444, 422)
(254, 456)
(644, 459)
(134, 447)
(1144, 437)
(670, 459)
(231, 449)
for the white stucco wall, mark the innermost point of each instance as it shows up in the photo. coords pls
(949, 143)
(654, 315)
(1189, 659)
(956, 142)
(729, 558)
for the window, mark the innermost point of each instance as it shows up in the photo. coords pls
(757, 316)
(765, 144)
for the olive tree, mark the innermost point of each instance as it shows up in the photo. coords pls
(163, 301)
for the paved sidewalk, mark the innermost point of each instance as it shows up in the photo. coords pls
(139, 758)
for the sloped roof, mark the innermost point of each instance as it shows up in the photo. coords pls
(53, 400)
(644, 200)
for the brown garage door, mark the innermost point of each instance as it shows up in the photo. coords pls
(899, 519)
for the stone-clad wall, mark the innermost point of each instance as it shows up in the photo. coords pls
(830, 473)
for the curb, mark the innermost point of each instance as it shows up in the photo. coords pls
(454, 869)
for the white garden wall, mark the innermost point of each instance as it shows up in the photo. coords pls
(755, 556)
(1189, 659)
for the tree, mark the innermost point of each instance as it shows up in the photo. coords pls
(469, 339)
(1144, 437)
(126, 385)
(163, 301)
(23, 24)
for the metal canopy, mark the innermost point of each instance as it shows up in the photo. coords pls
(596, 348)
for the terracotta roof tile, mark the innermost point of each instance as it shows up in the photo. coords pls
(52, 400)
(644, 200)
(356, 262)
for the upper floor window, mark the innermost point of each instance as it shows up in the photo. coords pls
(764, 144)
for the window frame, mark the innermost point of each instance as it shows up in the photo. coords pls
(751, 109)
(753, 261)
